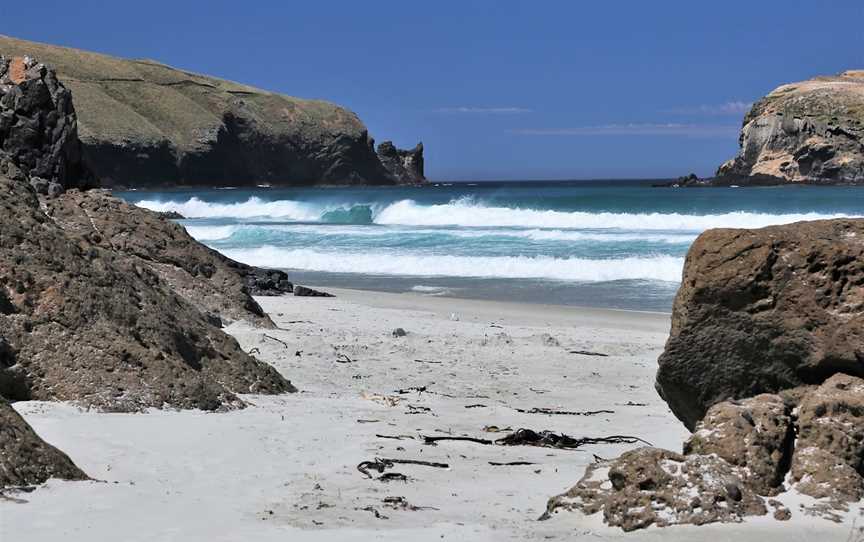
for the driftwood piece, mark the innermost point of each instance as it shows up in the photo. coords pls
(588, 353)
(382, 464)
(544, 439)
(511, 463)
(563, 412)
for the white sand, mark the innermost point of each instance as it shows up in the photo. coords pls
(285, 468)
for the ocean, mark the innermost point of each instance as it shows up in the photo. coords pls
(613, 244)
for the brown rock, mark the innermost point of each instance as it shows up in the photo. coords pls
(26, 459)
(760, 311)
(89, 324)
(754, 434)
(212, 282)
(650, 486)
(829, 455)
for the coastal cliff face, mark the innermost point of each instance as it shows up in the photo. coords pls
(145, 124)
(808, 132)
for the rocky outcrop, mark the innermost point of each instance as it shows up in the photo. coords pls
(38, 131)
(146, 124)
(403, 164)
(213, 283)
(807, 132)
(738, 457)
(26, 459)
(89, 324)
(760, 311)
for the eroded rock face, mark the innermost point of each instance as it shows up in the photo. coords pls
(215, 284)
(26, 459)
(760, 311)
(89, 324)
(807, 132)
(829, 455)
(403, 164)
(755, 435)
(145, 124)
(38, 130)
(650, 486)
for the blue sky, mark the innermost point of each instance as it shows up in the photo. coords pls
(495, 89)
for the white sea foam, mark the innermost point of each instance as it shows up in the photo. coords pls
(466, 213)
(665, 268)
(211, 233)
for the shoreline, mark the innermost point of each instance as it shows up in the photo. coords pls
(287, 464)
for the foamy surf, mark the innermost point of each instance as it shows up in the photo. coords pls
(662, 268)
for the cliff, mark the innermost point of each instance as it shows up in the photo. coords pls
(145, 124)
(808, 132)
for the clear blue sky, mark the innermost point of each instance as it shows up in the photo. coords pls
(495, 89)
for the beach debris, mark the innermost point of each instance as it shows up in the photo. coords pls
(631, 403)
(417, 409)
(539, 390)
(386, 400)
(396, 437)
(380, 465)
(549, 340)
(454, 317)
(399, 332)
(426, 361)
(413, 389)
(368, 421)
(478, 405)
(550, 412)
(496, 429)
(280, 341)
(303, 291)
(299, 322)
(343, 358)
(374, 511)
(543, 439)
(400, 503)
(511, 463)
(588, 353)
(254, 351)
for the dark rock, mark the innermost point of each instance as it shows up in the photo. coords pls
(302, 291)
(403, 164)
(399, 332)
(760, 311)
(26, 459)
(806, 132)
(684, 182)
(171, 215)
(38, 128)
(267, 282)
(147, 124)
(92, 323)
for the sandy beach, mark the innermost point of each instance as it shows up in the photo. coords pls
(285, 468)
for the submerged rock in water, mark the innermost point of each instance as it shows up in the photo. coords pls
(26, 459)
(760, 311)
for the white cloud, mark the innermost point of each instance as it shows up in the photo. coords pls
(735, 108)
(664, 129)
(484, 110)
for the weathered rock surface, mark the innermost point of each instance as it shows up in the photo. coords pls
(303, 291)
(403, 164)
(806, 132)
(215, 284)
(38, 131)
(650, 486)
(146, 124)
(26, 459)
(755, 435)
(829, 453)
(760, 311)
(87, 323)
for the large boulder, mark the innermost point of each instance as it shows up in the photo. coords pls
(26, 459)
(38, 130)
(143, 123)
(215, 284)
(806, 132)
(761, 311)
(85, 322)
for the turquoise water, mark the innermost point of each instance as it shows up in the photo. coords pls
(618, 244)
